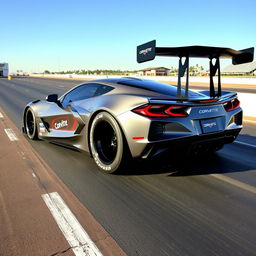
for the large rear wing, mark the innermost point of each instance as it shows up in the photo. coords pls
(149, 51)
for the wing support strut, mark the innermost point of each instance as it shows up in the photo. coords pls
(213, 70)
(183, 67)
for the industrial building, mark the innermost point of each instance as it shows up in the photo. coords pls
(242, 69)
(4, 70)
(157, 71)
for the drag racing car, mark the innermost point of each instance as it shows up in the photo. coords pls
(119, 119)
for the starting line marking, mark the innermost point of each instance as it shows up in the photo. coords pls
(74, 233)
(245, 144)
(10, 133)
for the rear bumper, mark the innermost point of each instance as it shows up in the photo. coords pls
(191, 144)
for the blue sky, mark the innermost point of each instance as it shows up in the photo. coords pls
(60, 35)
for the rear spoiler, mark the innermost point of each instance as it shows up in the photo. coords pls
(149, 51)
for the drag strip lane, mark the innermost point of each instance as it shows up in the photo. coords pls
(172, 209)
(25, 222)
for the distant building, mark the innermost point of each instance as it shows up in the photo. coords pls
(4, 69)
(241, 69)
(158, 71)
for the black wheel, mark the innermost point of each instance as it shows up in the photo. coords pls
(107, 143)
(30, 124)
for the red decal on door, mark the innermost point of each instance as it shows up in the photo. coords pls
(64, 123)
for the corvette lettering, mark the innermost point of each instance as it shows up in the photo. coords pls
(60, 125)
(210, 110)
(64, 123)
(144, 52)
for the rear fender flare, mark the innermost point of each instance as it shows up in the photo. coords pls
(90, 124)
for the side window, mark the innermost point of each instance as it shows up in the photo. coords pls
(85, 91)
(103, 89)
(80, 93)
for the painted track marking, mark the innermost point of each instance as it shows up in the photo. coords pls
(249, 121)
(245, 144)
(74, 233)
(1, 115)
(10, 133)
(235, 182)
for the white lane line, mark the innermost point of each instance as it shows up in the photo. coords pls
(1, 115)
(249, 121)
(74, 233)
(10, 133)
(235, 182)
(245, 144)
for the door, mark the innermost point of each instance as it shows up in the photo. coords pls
(65, 121)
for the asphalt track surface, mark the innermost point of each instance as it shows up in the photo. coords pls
(176, 207)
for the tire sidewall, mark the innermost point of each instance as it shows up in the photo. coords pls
(34, 134)
(112, 167)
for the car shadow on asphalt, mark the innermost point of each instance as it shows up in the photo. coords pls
(178, 165)
(174, 164)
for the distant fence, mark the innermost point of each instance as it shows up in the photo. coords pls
(225, 80)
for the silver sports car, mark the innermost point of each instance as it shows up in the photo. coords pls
(124, 118)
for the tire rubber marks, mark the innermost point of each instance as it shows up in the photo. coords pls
(235, 182)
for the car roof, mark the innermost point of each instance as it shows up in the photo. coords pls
(149, 85)
(119, 80)
(137, 83)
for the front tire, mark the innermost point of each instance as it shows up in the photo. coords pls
(107, 143)
(30, 124)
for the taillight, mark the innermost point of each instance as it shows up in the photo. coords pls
(208, 101)
(176, 111)
(232, 104)
(154, 110)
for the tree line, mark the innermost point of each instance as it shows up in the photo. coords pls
(92, 72)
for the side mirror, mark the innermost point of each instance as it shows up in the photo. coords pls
(52, 98)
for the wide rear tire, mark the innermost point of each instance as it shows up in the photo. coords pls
(107, 143)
